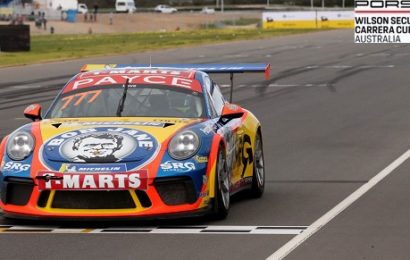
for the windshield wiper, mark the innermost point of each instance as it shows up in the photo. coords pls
(122, 100)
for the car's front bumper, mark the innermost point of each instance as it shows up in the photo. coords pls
(166, 198)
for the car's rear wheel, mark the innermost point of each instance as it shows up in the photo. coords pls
(258, 178)
(221, 202)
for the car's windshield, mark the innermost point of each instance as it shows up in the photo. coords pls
(141, 101)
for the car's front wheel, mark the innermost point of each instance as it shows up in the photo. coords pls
(221, 202)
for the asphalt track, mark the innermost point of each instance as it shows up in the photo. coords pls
(334, 115)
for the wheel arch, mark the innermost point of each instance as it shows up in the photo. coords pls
(217, 142)
(259, 131)
(3, 149)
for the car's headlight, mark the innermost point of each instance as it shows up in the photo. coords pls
(20, 145)
(183, 145)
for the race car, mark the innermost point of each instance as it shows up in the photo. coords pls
(134, 141)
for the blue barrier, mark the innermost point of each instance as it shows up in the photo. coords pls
(71, 16)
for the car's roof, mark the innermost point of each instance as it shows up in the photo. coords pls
(184, 78)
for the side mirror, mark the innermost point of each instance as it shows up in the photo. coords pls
(229, 112)
(33, 112)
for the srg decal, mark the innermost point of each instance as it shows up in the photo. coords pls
(16, 167)
(178, 166)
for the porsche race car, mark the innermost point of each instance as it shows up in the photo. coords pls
(134, 141)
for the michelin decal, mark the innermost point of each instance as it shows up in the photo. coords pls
(93, 168)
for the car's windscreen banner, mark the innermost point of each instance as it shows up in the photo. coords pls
(133, 79)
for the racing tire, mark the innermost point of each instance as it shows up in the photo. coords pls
(258, 177)
(221, 202)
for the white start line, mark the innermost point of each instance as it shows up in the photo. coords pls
(339, 208)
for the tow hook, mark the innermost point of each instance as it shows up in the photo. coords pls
(48, 177)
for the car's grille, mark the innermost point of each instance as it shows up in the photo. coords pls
(176, 191)
(143, 198)
(42, 200)
(16, 191)
(114, 199)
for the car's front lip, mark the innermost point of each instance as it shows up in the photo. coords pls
(155, 212)
(163, 216)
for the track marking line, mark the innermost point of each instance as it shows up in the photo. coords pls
(67, 230)
(28, 86)
(19, 87)
(338, 67)
(292, 244)
(87, 230)
(194, 230)
(275, 85)
(28, 229)
(4, 228)
(341, 66)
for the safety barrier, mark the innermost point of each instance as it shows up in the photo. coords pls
(308, 19)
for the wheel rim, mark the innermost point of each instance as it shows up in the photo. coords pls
(223, 178)
(259, 163)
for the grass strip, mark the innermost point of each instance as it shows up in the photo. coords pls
(62, 47)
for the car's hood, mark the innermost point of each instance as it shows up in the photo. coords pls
(106, 140)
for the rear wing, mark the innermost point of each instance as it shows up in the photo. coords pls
(228, 68)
